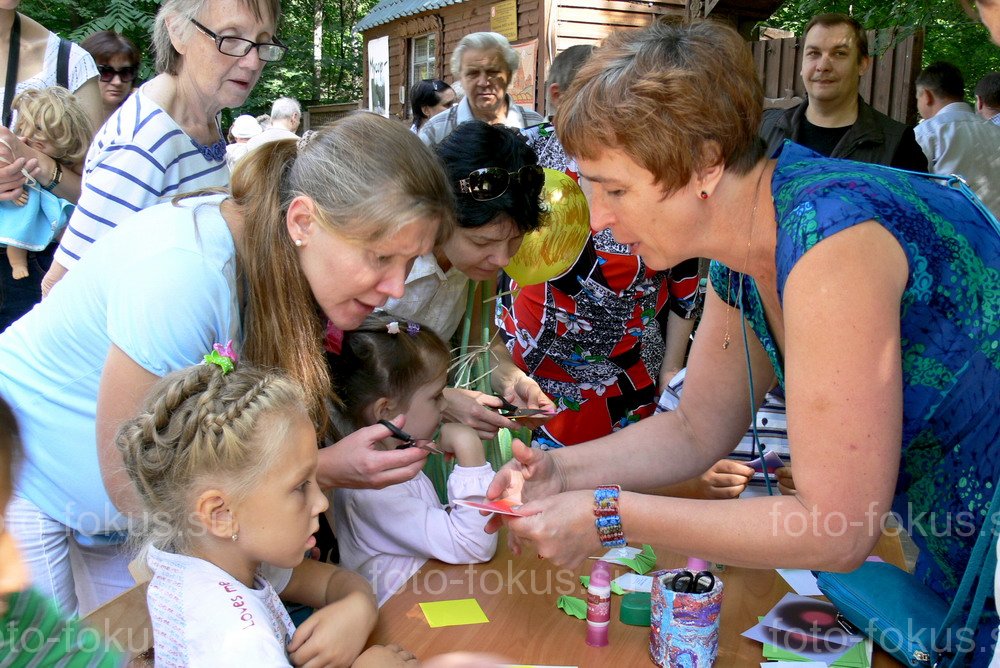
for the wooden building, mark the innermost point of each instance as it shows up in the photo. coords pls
(420, 36)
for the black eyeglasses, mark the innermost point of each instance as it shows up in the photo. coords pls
(237, 47)
(108, 73)
(491, 182)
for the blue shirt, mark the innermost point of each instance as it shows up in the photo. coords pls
(162, 289)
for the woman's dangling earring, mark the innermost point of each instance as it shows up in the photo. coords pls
(235, 537)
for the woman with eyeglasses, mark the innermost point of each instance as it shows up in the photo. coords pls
(497, 184)
(34, 62)
(117, 66)
(166, 138)
(427, 98)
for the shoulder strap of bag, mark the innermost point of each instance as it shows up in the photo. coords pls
(13, 56)
(62, 63)
(979, 572)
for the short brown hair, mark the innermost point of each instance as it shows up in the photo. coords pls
(832, 19)
(663, 95)
(104, 45)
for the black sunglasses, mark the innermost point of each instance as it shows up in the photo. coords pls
(237, 47)
(436, 84)
(108, 73)
(491, 182)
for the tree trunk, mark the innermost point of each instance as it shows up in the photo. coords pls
(317, 93)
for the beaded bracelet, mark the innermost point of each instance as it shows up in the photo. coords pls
(609, 521)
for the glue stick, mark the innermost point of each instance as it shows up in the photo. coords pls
(599, 604)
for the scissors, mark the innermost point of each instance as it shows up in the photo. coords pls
(513, 412)
(409, 441)
(687, 582)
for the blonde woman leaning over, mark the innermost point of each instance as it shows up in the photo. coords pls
(311, 233)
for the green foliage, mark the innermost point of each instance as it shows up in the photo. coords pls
(951, 35)
(339, 68)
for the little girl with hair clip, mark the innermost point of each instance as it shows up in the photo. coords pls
(387, 368)
(52, 121)
(225, 463)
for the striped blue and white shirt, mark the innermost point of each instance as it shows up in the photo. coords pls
(140, 157)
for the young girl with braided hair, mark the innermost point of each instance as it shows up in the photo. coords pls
(225, 463)
(389, 369)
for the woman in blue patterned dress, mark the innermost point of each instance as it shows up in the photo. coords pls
(870, 294)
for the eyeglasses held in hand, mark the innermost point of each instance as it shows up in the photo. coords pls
(237, 47)
(491, 182)
(108, 73)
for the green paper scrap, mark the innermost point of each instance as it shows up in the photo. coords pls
(453, 613)
(856, 657)
(615, 587)
(573, 606)
(643, 562)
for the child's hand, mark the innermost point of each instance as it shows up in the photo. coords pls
(385, 656)
(464, 442)
(335, 634)
(725, 480)
(786, 485)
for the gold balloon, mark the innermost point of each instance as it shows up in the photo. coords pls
(553, 248)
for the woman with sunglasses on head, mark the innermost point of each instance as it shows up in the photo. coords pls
(497, 184)
(427, 98)
(35, 62)
(166, 138)
(117, 65)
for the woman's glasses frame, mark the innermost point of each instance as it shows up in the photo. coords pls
(108, 73)
(237, 47)
(492, 182)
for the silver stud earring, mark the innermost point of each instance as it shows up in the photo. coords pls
(235, 537)
(298, 242)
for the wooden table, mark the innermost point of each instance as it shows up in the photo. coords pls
(518, 595)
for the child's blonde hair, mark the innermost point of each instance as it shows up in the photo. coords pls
(54, 114)
(197, 427)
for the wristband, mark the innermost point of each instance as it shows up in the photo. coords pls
(609, 521)
(56, 177)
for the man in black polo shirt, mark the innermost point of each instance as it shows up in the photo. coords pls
(834, 120)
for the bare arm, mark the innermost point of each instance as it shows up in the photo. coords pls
(124, 385)
(679, 445)
(844, 391)
(89, 97)
(676, 346)
(345, 614)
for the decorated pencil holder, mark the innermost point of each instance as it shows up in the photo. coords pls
(684, 618)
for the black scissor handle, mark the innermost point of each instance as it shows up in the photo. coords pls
(686, 582)
(396, 431)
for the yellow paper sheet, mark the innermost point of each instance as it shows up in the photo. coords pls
(453, 613)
